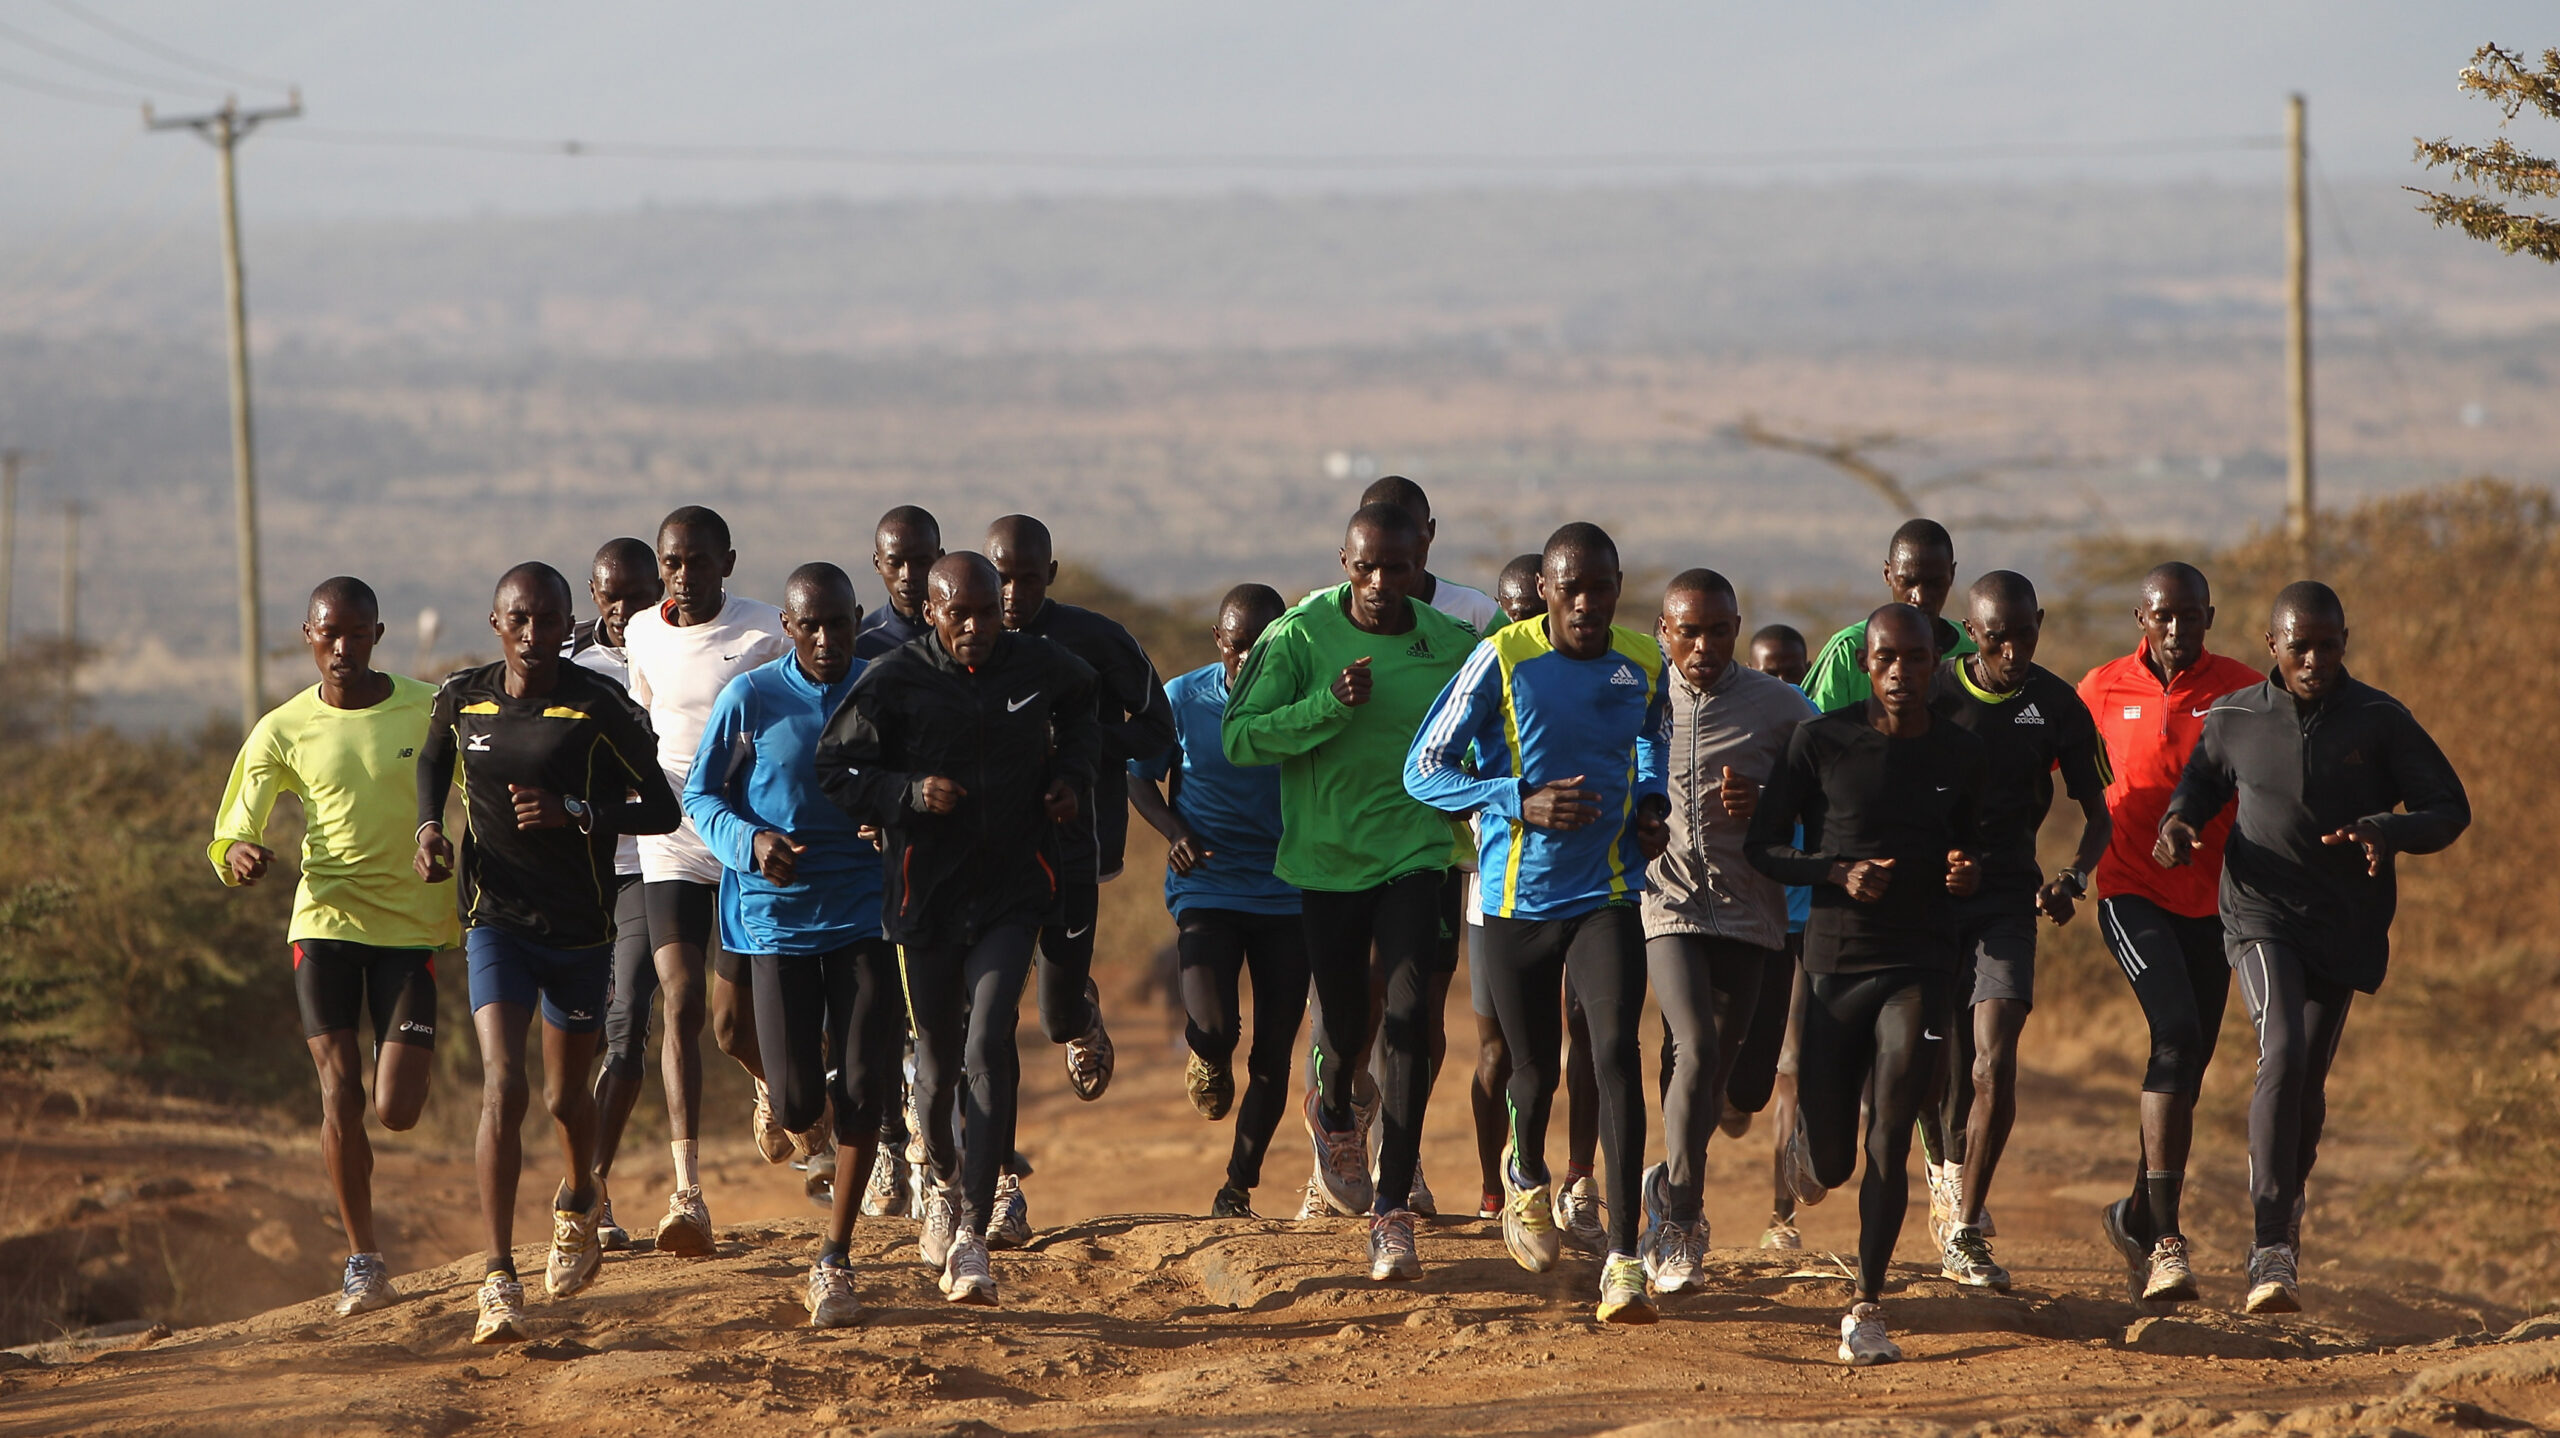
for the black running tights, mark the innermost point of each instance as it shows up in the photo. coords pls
(1875, 1027)
(1709, 989)
(1395, 926)
(2300, 1017)
(964, 1003)
(1218, 946)
(1527, 961)
(829, 1027)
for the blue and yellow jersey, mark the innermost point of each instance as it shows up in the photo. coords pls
(1533, 716)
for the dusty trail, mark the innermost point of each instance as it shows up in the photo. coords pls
(1123, 1318)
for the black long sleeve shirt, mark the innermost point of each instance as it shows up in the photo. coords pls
(1136, 724)
(1863, 795)
(584, 740)
(2303, 770)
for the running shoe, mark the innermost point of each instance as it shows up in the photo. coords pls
(1342, 1163)
(1797, 1171)
(1232, 1203)
(1622, 1295)
(814, 1148)
(686, 1230)
(609, 1231)
(772, 1139)
(1863, 1342)
(2171, 1279)
(886, 1196)
(1489, 1206)
(1671, 1252)
(1782, 1236)
(501, 1311)
(1391, 1251)
(1943, 1197)
(967, 1274)
(1311, 1204)
(1418, 1198)
(2274, 1281)
(575, 1253)
(831, 1299)
(1966, 1258)
(1090, 1059)
(366, 1287)
(1010, 1225)
(1528, 1219)
(1581, 1214)
(2116, 1220)
(1212, 1087)
(939, 1223)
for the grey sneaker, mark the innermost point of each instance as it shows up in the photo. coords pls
(885, 1195)
(938, 1224)
(1528, 1220)
(1391, 1252)
(1863, 1342)
(1091, 1058)
(366, 1287)
(967, 1274)
(2274, 1280)
(1579, 1213)
(1010, 1225)
(1311, 1204)
(609, 1232)
(1966, 1259)
(831, 1299)
(1342, 1162)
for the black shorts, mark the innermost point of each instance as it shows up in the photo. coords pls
(1999, 959)
(336, 980)
(684, 912)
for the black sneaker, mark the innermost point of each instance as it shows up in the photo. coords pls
(1232, 1203)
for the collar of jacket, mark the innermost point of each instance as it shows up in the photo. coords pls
(944, 659)
(1723, 679)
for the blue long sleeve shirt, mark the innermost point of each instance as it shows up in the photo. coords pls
(1233, 811)
(757, 770)
(1534, 715)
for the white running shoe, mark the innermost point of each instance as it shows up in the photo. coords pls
(938, 1223)
(686, 1230)
(1622, 1295)
(366, 1287)
(1311, 1204)
(968, 1276)
(2171, 1279)
(885, 1195)
(1392, 1255)
(1010, 1225)
(1675, 1256)
(1581, 1214)
(1342, 1162)
(609, 1231)
(1863, 1342)
(501, 1311)
(831, 1299)
(2274, 1280)
(772, 1139)
(1528, 1219)
(1783, 1237)
(1966, 1258)
(575, 1253)
(1942, 1200)
(1091, 1058)
(1418, 1198)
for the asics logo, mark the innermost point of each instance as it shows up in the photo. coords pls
(412, 1026)
(479, 744)
(1626, 676)
(2030, 715)
(1011, 705)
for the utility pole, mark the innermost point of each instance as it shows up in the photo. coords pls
(2298, 512)
(70, 611)
(11, 462)
(224, 129)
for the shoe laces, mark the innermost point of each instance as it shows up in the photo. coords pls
(499, 1294)
(1622, 1274)
(363, 1269)
(1967, 1243)
(1866, 1325)
(1391, 1233)
(831, 1280)
(969, 1257)
(2273, 1264)
(1689, 1243)
(2171, 1249)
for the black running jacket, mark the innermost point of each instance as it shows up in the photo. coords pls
(1137, 725)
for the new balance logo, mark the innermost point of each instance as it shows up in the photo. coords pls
(1421, 650)
(1627, 677)
(479, 744)
(2030, 715)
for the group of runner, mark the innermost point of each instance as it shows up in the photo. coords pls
(842, 836)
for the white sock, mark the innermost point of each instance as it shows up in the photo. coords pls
(688, 1163)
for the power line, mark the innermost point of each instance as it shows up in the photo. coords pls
(47, 48)
(78, 94)
(1272, 161)
(169, 53)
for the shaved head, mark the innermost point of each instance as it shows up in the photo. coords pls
(533, 575)
(1022, 536)
(625, 556)
(1401, 492)
(2177, 580)
(814, 581)
(347, 597)
(1256, 604)
(1387, 521)
(909, 521)
(1921, 536)
(1699, 581)
(1588, 540)
(964, 575)
(1902, 625)
(2307, 599)
(2005, 587)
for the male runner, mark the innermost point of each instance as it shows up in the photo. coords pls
(904, 546)
(1470, 607)
(1577, 1199)
(554, 762)
(623, 581)
(1885, 794)
(801, 899)
(1564, 720)
(1221, 826)
(1919, 570)
(2032, 725)
(1766, 1070)
(2334, 780)
(1715, 927)
(364, 932)
(965, 749)
(683, 653)
(1334, 694)
(2163, 925)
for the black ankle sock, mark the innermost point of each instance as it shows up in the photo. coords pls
(2137, 1213)
(502, 1263)
(2160, 1191)
(836, 1255)
(571, 1200)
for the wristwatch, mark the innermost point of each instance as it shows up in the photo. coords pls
(2076, 880)
(580, 813)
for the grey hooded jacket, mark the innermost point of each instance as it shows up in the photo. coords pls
(1702, 884)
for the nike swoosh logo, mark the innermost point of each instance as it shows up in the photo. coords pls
(726, 658)
(2199, 713)
(1945, 787)
(1933, 1038)
(1010, 705)
(1079, 933)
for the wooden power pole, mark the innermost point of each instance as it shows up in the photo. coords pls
(224, 129)
(2299, 515)
(70, 613)
(12, 461)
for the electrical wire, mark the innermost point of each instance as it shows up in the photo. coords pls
(42, 46)
(169, 53)
(77, 94)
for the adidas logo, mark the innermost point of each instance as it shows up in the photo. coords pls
(1626, 676)
(1421, 650)
(2029, 715)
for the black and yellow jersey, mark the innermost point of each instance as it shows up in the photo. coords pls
(2032, 732)
(585, 740)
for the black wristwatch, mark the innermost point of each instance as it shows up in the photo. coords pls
(2076, 880)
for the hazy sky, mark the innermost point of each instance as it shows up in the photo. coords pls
(1158, 77)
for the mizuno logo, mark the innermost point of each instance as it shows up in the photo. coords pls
(1079, 933)
(479, 744)
(1421, 649)
(2030, 715)
(1627, 677)
(1011, 705)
